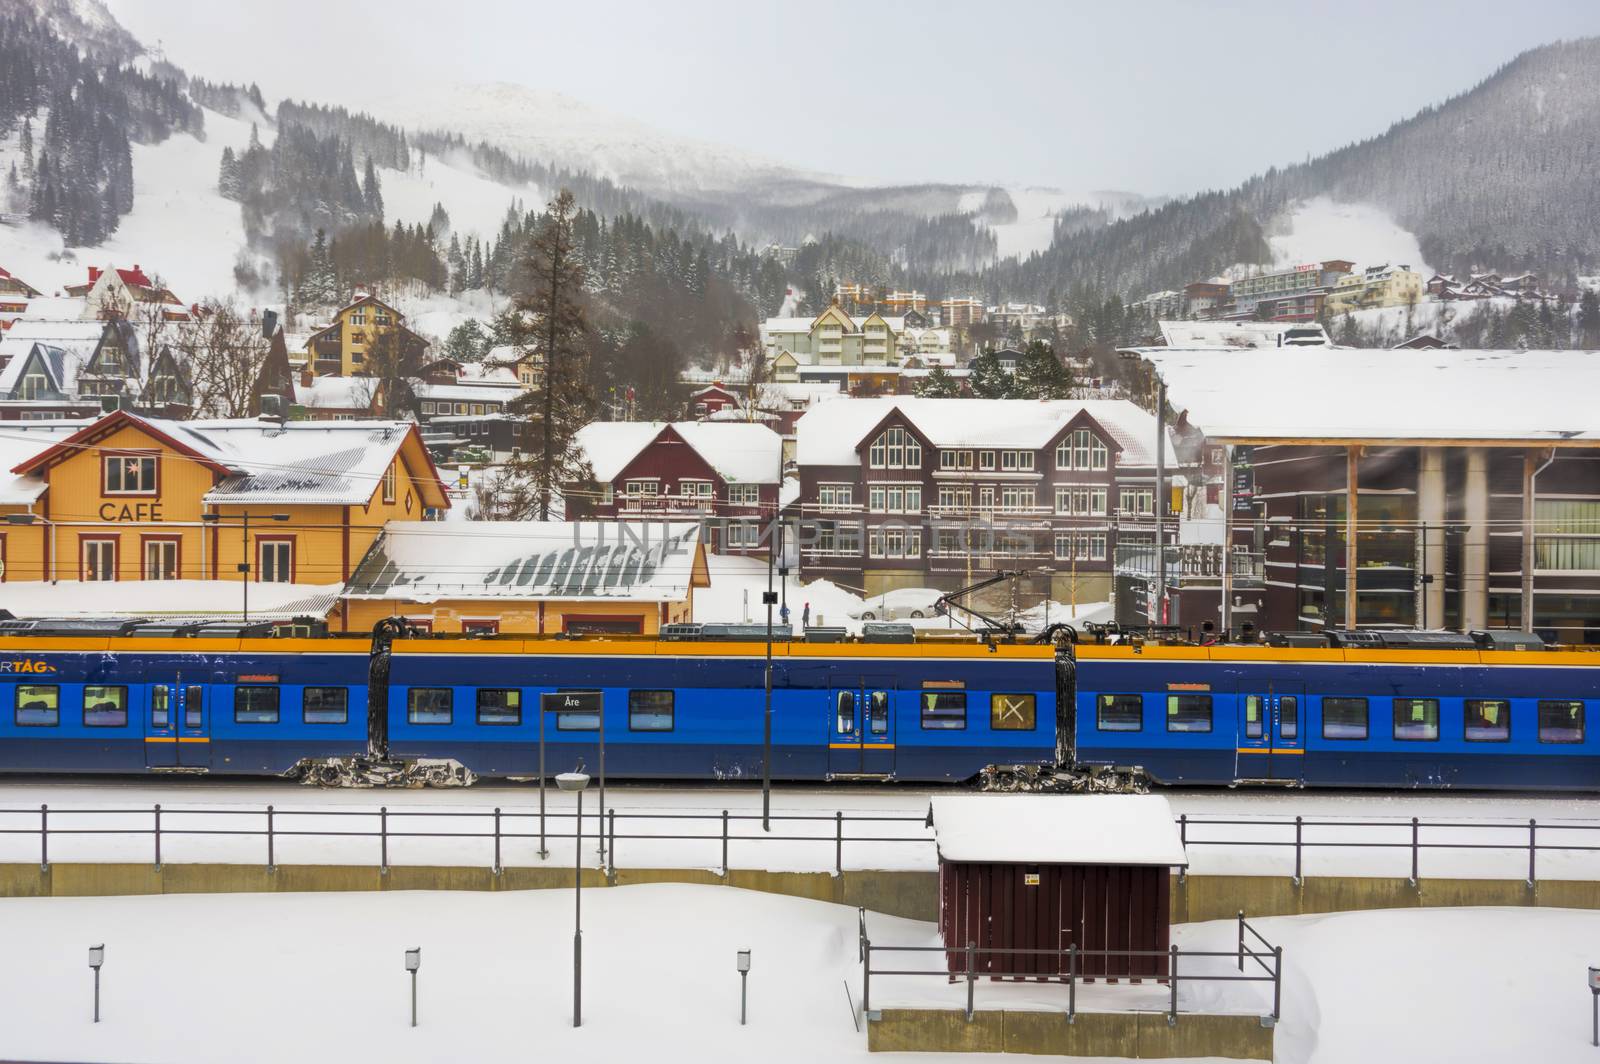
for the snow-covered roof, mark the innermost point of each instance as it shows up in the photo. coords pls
(335, 393)
(68, 342)
(829, 433)
(295, 463)
(465, 393)
(1115, 829)
(19, 441)
(209, 599)
(741, 452)
(532, 560)
(482, 373)
(1339, 393)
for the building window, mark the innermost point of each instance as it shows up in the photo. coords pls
(1012, 712)
(477, 409)
(427, 406)
(696, 489)
(390, 476)
(1015, 498)
(480, 626)
(944, 710)
(1416, 719)
(896, 448)
(275, 561)
(1344, 718)
(105, 707)
(1119, 713)
(835, 496)
(1568, 535)
(1488, 720)
(1188, 713)
(894, 542)
(429, 705)
(99, 559)
(1560, 721)
(650, 710)
(955, 500)
(955, 459)
(743, 535)
(255, 705)
(325, 705)
(639, 488)
(161, 559)
(1140, 501)
(1082, 449)
(129, 474)
(985, 459)
(744, 494)
(499, 705)
(894, 498)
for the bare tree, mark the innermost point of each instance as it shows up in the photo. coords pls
(225, 354)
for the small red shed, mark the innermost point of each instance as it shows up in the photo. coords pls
(1046, 872)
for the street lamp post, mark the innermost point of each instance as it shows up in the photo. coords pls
(743, 965)
(413, 962)
(1594, 992)
(31, 519)
(576, 782)
(97, 957)
(244, 564)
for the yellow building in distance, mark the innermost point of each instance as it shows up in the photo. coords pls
(1376, 286)
(126, 498)
(343, 347)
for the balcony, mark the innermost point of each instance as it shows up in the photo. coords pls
(1194, 563)
(689, 505)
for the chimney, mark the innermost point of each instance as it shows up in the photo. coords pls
(305, 377)
(269, 323)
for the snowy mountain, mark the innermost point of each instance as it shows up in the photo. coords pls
(561, 131)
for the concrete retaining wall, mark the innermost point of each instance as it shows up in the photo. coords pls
(914, 895)
(1130, 1035)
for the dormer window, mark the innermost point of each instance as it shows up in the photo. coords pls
(111, 359)
(896, 448)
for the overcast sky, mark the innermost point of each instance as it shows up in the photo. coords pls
(1153, 96)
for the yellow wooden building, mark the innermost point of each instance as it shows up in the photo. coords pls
(342, 347)
(126, 498)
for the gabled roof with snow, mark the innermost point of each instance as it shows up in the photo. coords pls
(336, 393)
(465, 393)
(830, 433)
(1112, 829)
(297, 463)
(1232, 333)
(1346, 394)
(532, 561)
(741, 452)
(19, 441)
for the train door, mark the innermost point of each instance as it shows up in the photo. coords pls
(161, 727)
(1269, 745)
(194, 727)
(1288, 749)
(861, 732)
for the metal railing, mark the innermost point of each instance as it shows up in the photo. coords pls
(1295, 834)
(1069, 966)
(492, 831)
(500, 828)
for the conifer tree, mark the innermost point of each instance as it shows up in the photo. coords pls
(989, 379)
(938, 384)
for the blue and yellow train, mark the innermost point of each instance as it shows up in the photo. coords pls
(335, 708)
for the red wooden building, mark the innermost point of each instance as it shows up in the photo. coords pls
(1047, 872)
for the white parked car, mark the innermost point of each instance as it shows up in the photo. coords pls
(906, 603)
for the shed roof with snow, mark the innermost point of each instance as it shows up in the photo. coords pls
(1078, 829)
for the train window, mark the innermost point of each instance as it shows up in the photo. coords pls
(1416, 719)
(878, 712)
(1189, 713)
(1560, 721)
(194, 706)
(650, 710)
(846, 705)
(1344, 718)
(1120, 712)
(499, 705)
(1253, 725)
(1012, 712)
(105, 707)
(429, 705)
(325, 705)
(160, 706)
(38, 705)
(944, 710)
(255, 705)
(1288, 716)
(1488, 720)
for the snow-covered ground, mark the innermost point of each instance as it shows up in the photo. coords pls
(802, 838)
(251, 977)
(1321, 228)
